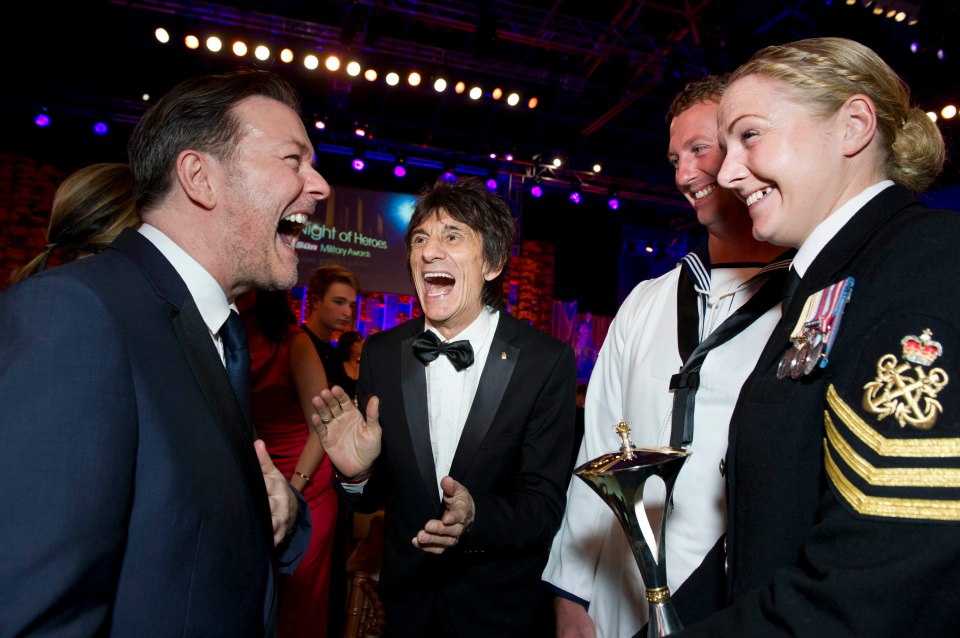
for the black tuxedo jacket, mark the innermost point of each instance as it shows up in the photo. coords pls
(134, 501)
(513, 457)
(843, 522)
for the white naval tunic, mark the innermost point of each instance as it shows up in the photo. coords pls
(590, 557)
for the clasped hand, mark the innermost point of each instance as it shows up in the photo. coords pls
(437, 536)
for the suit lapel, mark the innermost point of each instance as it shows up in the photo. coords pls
(497, 371)
(413, 378)
(204, 362)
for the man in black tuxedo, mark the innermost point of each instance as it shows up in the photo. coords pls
(133, 499)
(468, 433)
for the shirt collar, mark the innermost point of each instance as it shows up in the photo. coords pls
(476, 333)
(206, 292)
(829, 227)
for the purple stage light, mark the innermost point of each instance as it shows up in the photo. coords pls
(42, 120)
(399, 170)
(448, 177)
(492, 184)
(536, 190)
(575, 197)
(100, 128)
(613, 203)
(358, 164)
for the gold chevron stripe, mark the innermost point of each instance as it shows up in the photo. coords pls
(918, 448)
(915, 509)
(889, 477)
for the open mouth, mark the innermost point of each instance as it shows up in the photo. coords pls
(753, 198)
(291, 226)
(438, 283)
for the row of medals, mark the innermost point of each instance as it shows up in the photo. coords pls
(802, 358)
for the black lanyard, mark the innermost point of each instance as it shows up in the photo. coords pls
(685, 383)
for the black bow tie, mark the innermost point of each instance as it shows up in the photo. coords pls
(427, 347)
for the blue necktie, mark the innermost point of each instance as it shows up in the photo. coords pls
(237, 356)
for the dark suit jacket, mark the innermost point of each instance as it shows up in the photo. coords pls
(843, 523)
(513, 457)
(134, 503)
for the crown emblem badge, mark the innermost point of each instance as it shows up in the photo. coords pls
(922, 350)
(908, 395)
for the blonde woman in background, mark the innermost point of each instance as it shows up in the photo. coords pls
(90, 208)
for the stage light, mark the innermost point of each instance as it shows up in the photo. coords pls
(575, 196)
(101, 128)
(370, 75)
(497, 93)
(940, 54)
(459, 88)
(145, 97)
(319, 124)
(900, 17)
(536, 190)
(286, 55)
(192, 42)
(414, 79)
(399, 170)
(476, 93)
(597, 168)
(448, 176)
(508, 157)
(492, 156)
(440, 85)
(949, 111)
(332, 63)
(239, 48)
(392, 79)
(914, 47)
(358, 162)
(162, 35)
(492, 183)
(614, 200)
(311, 62)
(214, 44)
(261, 52)
(42, 120)
(877, 10)
(513, 99)
(359, 131)
(533, 103)
(353, 69)
(557, 162)
(932, 116)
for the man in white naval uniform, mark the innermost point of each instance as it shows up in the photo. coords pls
(591, 568)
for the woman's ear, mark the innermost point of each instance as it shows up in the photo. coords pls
(859, 120)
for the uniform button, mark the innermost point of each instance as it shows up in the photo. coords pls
(723, 467)
(726, 565)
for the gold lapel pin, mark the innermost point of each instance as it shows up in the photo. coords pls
(503, 356)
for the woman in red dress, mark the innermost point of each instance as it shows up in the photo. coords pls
(285, 372)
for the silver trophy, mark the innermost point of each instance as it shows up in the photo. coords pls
(618, 478)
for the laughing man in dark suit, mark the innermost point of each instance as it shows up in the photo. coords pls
(467, 436)
(134, 500)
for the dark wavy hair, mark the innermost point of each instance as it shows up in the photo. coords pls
(468, 200)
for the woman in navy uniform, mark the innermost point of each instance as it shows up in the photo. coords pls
(843, 466)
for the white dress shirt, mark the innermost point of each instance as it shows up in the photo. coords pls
(206, 292)
(450, 393)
